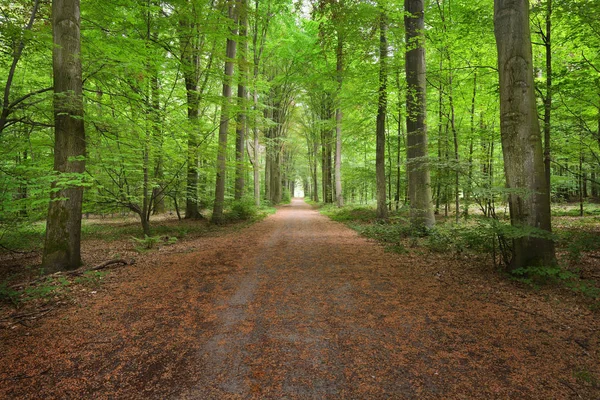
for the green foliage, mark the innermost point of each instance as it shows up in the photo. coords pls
(542, 275)
(579, 242)
(90, 278)
(22, 236)
(349, 213)
(555, 275)
(46, 289)
(243, 209)
(286, 197)
(147, 243)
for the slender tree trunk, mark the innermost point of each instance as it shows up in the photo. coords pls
(217, 216)
(399, 141)
(419, 181)
(158, 195)
(521, 138)
(63, 225)
(548, 99)
(469, 188)
(580, 177)
(256, 164)
(455, 141)
(315, 171)
(241, 128)
(339, 198)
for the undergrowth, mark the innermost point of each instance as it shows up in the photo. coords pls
(49, 288)
(478, 236)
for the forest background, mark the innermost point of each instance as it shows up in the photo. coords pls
(305, 82)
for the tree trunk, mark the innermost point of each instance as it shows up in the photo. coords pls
(158, 195)
(191, 74)
(240, 139)
(521, 140)
(217, 216)
(382, 211)
(419, 181)
(469, 188)
(339, 198)
(455, 141)
(548, 99)
(63, 226)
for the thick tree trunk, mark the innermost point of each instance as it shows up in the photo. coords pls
(521, 140)
(382, 211)
(192, 209)
(241, 127)
(217, 216)
(419, 181)
(191, 74)
(339, 198)
(63, 226)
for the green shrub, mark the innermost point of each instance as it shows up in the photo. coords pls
(286, 197)
(542, 275)
(91, 278)
(242, 209)
(146, 243)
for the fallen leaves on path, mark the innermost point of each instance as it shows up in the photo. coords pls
(298, 306)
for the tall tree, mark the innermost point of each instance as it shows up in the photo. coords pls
(339, 198)
(217, 216)
(419, 181)
(63, 227)
(382, 211)
(529, 202)
(190, 43)
(241, 127)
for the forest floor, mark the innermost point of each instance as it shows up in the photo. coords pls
(299, 306)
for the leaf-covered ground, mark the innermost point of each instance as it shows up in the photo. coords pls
(298, 306)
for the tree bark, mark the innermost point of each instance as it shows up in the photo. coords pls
(63, 226)
(241, 127)
(548, 99)
(217, 216)
(521, 140)
(382, 211)
(191, 74)
(339, 198)
(419, 181)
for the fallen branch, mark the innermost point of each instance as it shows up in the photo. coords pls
(30, 316)
(98, 267)
(109, 263)
(77, 272)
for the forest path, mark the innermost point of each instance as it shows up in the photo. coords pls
(298, 306)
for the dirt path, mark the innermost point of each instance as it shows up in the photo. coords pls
(298, 306)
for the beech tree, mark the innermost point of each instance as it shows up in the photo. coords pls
(528, 200)
(382, 211)
(63, 225)
(217, 216)
(419, 181)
